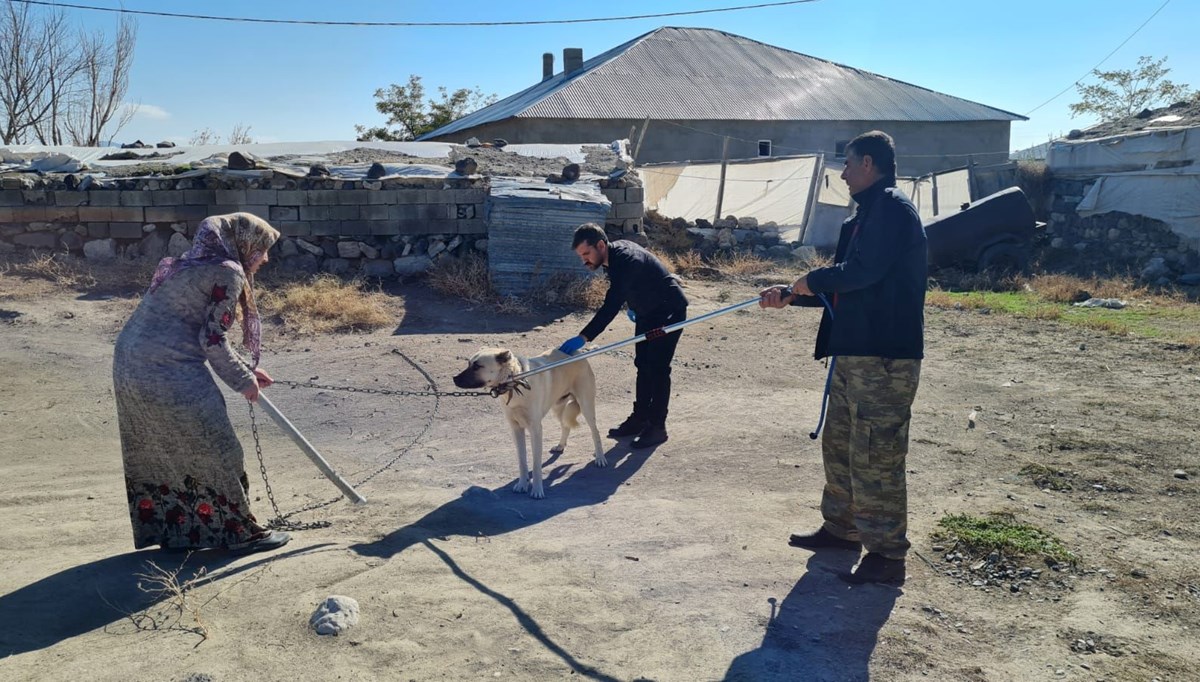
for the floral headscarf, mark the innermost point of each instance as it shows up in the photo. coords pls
(235, 241)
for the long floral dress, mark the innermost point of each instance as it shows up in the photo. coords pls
(184, 467)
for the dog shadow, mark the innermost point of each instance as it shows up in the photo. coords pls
(97, 594)
(480, 512)
(824, 630)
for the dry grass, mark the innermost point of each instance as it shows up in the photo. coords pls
(722, 266)
(174, 593)
(466, 278)
(743, 265)
(64, 271)
(61, 270)
(327, 304)
(1058, 288)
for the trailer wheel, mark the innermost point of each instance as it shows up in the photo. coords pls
(1004, 258)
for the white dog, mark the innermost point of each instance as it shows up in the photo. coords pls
(568, 390)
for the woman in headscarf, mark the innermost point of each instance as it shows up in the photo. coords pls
(184, 467)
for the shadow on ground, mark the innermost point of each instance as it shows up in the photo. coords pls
(428, 312)
(81, 599)
(823, 630)
(480, 512)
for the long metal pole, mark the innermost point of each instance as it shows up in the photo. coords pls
(629, 342)
(308, 449)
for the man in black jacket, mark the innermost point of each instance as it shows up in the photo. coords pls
(873, 329)
(655, 299)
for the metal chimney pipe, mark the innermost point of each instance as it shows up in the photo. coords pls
(572, 59)
(547, 65)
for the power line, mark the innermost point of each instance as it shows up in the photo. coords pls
(1089, 71)
(413, 24)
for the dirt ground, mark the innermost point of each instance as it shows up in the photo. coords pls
(671, 565)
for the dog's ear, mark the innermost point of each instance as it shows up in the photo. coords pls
(503, 357)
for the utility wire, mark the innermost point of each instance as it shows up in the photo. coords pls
(413, 24)
(1089, 71)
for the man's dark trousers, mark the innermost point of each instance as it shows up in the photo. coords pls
(652, 358)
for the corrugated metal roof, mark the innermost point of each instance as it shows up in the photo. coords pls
(704, 74)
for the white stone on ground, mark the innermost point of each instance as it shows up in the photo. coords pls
(335, 615)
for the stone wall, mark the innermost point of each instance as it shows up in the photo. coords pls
(1112, 242)
(377, 228)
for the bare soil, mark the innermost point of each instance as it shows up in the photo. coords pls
(669, 565)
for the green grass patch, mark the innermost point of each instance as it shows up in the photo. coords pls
(1004, 534)
(1169, 321)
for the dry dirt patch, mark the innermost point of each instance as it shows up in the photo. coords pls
(671, 565)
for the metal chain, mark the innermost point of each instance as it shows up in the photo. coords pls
(385, 391)
(281, 520)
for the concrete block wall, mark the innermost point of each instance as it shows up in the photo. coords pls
(141, 218)
(626, 217)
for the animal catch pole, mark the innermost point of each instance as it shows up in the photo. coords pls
(652, 334)
(309, 450)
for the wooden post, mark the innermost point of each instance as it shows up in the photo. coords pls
(637, 148)
(814, 190)
(721, 186)
(935, 194)
(972, 192)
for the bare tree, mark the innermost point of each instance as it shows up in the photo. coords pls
(56, 85)
(105, 82)
(63, 68)
(240, 135)
(203, 137)
(24, 71)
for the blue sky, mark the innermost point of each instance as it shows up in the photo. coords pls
(292, 83)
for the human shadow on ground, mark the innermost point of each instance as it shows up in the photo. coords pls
(482, 512)
(80, 599)
(825, 630)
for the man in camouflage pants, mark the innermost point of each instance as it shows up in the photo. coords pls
(873, 329)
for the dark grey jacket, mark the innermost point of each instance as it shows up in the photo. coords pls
(877, 283)
(636, 278)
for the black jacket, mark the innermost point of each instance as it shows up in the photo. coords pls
(877, 284)
(638, 279)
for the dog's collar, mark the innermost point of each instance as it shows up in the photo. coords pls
(511, 386)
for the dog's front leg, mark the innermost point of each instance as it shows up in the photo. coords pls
(535, 441)
(522, 463)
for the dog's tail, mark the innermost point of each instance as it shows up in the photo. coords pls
(568, 411)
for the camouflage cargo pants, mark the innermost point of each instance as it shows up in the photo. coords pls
(864, 447)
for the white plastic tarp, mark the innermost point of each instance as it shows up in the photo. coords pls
(1131, 151)
(769, 190)
(953, 190)
(1172, 196)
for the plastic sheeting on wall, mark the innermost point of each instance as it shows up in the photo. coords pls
(1172, 196)
(777, 190)
(1129, 152)
(769, 190)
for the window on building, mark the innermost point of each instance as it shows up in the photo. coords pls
(764, 147)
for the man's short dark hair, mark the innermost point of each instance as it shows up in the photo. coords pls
(591, 233)
(879, 146)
